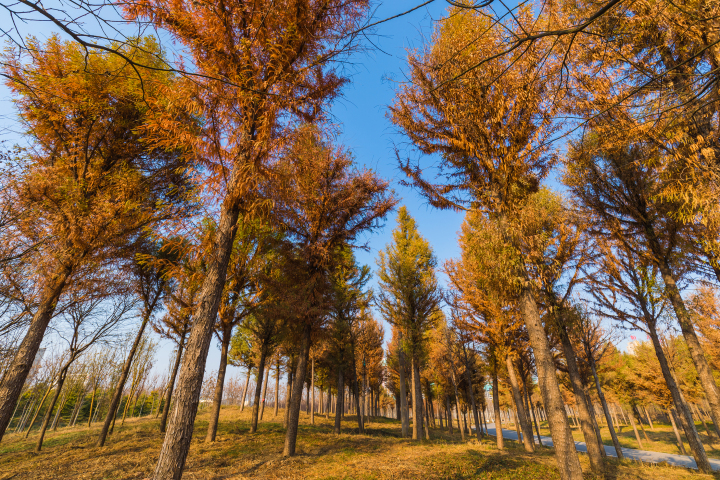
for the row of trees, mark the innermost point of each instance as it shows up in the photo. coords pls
(222, 198)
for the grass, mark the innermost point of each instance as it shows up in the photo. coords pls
(132, 451)
(662, 438)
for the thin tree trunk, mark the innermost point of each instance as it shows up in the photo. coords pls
(177, 440)
(219, 386)
(312, 391)
(48, 413)
(457, 402)
(264, 398)
(603, 402)
(416, 399)
(496, 406)
(404, 414)
(299, 383)
(594, 447)
(245, 389)
(650, 422)
(338, 404)
(258, 389)
(637, 435)
(632, 412)
(92, 400)
(37, 412)
(686, 421)
(680, 445)
(519, 407)
(171, 387)
(471, 394)
(448, 411)
(277, 386)
(693, 343)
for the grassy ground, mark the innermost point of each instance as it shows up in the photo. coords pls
(662, 438)
(132, 451)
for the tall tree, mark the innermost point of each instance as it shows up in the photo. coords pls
(90, 183)
(409, 297)
(261, 65)
(324, 203)
(493, 153)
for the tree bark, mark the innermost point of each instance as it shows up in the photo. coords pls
(404, 414)
(496, 406)
(416, 399)
(177, 440)
(685, 416)
(298, 385)
(171, 387)
(245, 389)
(566, 455)
(671, 414)
(594, 448)
(219, 385)
(606, 410)
(693, 343)
(120, 386)
(37, 412)
(48, 413)
(258, 390)
(471, 395)
(519, 407)
(277, 386)
(22, 362)
(338, 401)
(312, 391)
(264, 397)
(457, 402)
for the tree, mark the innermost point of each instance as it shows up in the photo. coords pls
(409, 297)
(285, 75)
(90, 183)
(243, 294)
(87, 324)
(324, 203)
(150, 281)
(494, 154)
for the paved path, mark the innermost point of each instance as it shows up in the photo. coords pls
(641, 455)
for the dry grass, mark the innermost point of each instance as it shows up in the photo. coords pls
(132, 451)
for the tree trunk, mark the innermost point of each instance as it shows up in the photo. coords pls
(288, 394)
(606, 410)
(22, 362)
(48, 413)
(686, 421)
(264, 398)
(37, 412)
(245, 389)
(448, 411)
(519, 407)
(92, 401)
(177, 441)
(594, 448)
(696, 351)
(416, 399)
(404, 414)
(496, 406)
(312, 391)
(170, 388)
(299, 383)
(457, 402)
(680, 445)
(338, 401)
(637, 435)
(471, 395)
(258, 389)
(277, 386)
(566, 455)
(531, 409)
(219, 386)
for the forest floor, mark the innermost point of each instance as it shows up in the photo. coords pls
(662, 438)
(132, 451)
